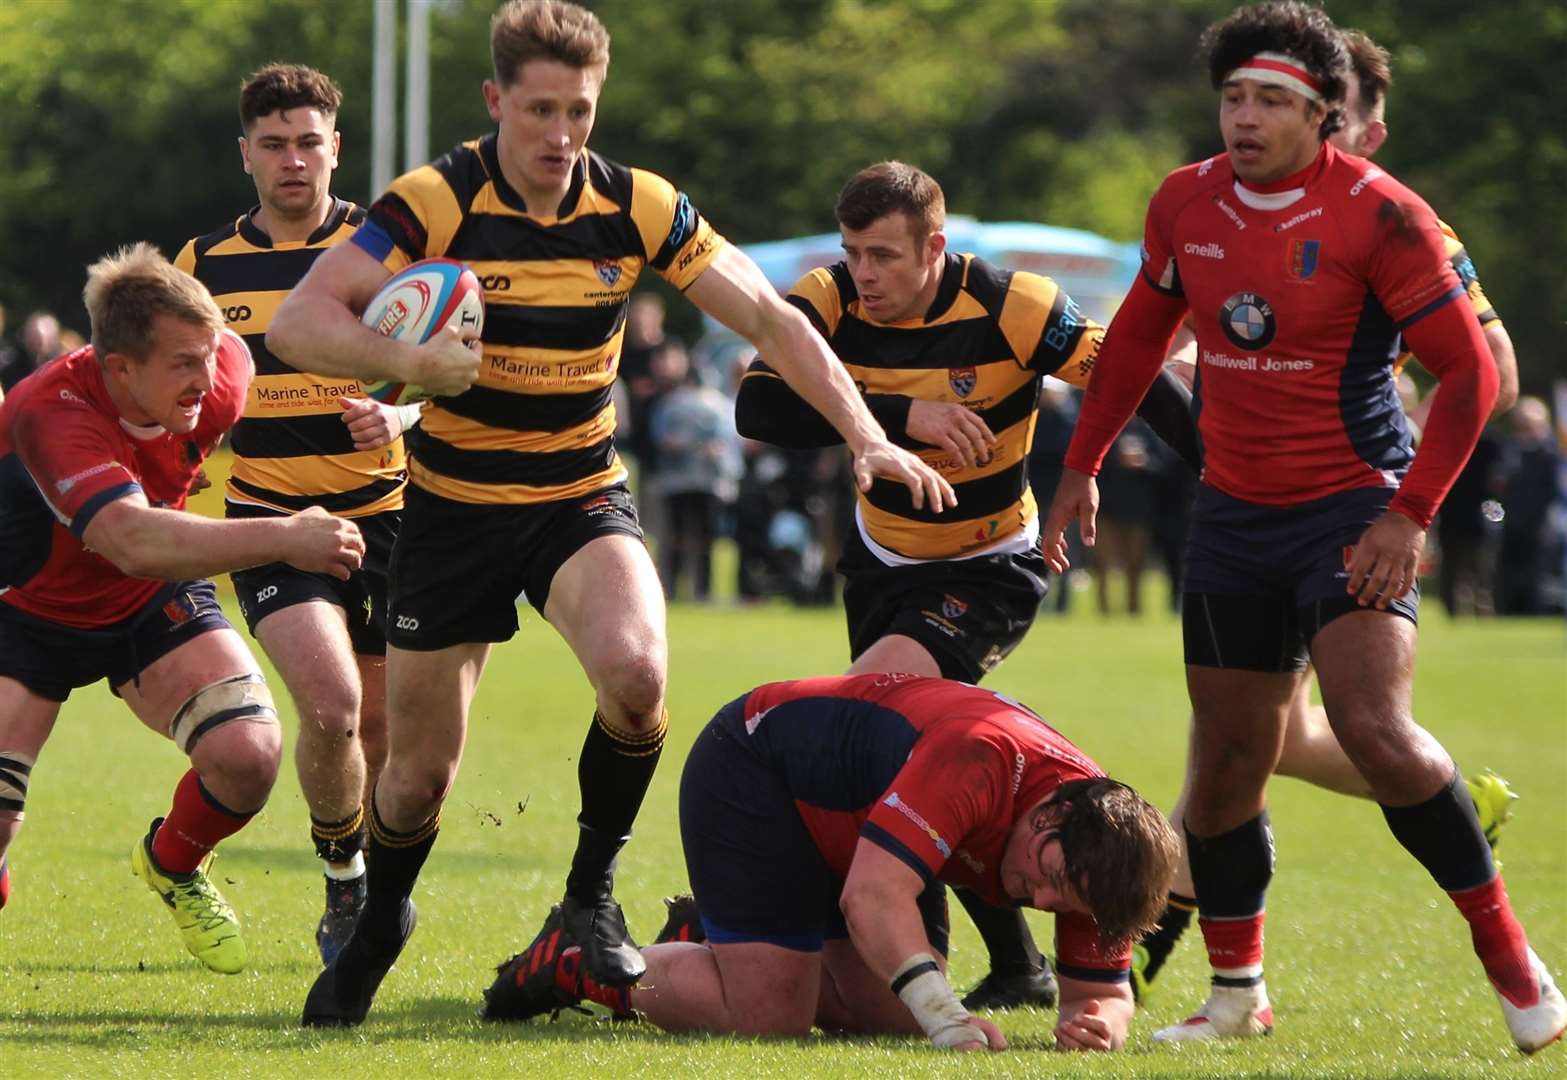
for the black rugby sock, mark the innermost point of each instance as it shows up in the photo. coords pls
(613, 772)
(1005, 934)
(1172, 924)
(339, 841)
(395, 859)
(1231, 871)
(1444, 834)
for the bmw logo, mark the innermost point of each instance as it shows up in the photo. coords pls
(1248, 321)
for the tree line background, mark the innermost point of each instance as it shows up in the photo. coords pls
(118, 120)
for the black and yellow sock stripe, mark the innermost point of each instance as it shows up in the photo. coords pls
(388, 837)
(634, 744)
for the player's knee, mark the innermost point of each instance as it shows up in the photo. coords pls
(418, 785)
(230, 728)
(635, 690)
(330, 716)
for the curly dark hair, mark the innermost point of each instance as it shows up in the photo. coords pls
(1302, 31)
(278, 87)
(1120, 854)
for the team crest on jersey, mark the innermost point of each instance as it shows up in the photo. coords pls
(962, 380)
(952, 607)
(608, 271)
(1248, 321)
(1303, 259)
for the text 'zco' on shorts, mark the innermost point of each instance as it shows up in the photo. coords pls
(263, 590)
(458, 568)
(1260, 581)
(969, 614)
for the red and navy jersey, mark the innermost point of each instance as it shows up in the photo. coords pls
(65, 454)
(933, 771)
(1298, 300)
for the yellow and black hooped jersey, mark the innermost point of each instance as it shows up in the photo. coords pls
(538, 425)
(1465, 267)
(291, 448)
(988, 339)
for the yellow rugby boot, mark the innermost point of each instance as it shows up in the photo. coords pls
(208, 926)
(1493, 799)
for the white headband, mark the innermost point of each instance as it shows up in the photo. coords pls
(1278, 69)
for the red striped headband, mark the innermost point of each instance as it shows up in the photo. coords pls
(1279, 69)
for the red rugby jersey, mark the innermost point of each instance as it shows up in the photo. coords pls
(1298, 308)
(935, 772)
(65, 454)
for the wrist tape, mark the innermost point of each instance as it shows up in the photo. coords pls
(922, 987)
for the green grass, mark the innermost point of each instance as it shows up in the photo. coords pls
(1369, 965)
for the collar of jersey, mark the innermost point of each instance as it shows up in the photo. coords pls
(489, 154)
(254, 235)
(1285, 192)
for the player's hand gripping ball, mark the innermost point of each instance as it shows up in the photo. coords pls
(415, 305)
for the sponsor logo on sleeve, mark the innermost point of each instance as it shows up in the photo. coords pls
(1207, 251)
(913, 815)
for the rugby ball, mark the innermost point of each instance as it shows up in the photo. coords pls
(416, 304)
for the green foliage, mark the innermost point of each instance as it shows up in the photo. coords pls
(117, 120)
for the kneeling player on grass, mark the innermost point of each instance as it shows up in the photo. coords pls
(820, 820)
(101, 573)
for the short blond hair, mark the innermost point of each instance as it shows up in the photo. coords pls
(523, 30)
(128, 290)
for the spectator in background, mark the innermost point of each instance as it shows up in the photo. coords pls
(1465, 530)
(40, 343)
(644, 336)
(1530, 466)
(698, 469)
(1128, 498)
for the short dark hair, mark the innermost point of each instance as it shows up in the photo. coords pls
(277, 87)
(523, 30)
(1120, 855)
(1301, 31)
(1368, 63)
(892, 187)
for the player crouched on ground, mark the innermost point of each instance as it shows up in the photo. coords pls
(102, 575)
(821, 820)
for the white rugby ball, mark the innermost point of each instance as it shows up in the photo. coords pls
(416, 304)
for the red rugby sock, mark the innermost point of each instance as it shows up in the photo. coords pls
(1499, 941)
(1234, 945)
(194, 826)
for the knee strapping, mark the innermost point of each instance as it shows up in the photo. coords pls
(16, 768)
(240, 697)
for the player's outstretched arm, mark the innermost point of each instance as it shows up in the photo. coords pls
(880, 903)
(736, 293)
(1093, 1016)
(172, 545)
(317, 329)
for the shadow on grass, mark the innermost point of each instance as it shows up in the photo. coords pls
(301, 858)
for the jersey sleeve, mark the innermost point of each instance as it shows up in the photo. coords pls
(1046, 329)
(1159, 268)
(948, 787)
(816, 294)
(1464, 267)
(1079, 955)
(677, 241)
(186, 259)
(416, 219)
(72, 455)
(236, 368)
(1408, 267)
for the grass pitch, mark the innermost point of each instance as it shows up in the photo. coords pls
(1369, 966)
